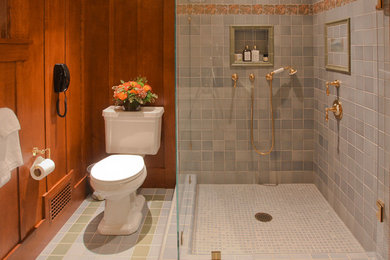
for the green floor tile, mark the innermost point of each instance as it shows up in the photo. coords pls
(61, 249)
(77, 228)
(145, 239)
(159, 197)
(148, 197)
(156, 204)
(89, 211)
(148, 229)
(54, 257)
(83, 219)
(69, 238)
(140, 250)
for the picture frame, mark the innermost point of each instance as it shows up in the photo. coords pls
(338, 46)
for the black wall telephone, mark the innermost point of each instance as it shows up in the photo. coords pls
(61, 80)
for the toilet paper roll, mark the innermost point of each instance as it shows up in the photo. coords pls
(41, 168)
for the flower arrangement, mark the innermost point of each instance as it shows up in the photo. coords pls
(132, 94)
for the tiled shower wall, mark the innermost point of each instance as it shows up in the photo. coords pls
(346, 154)
(214, 117)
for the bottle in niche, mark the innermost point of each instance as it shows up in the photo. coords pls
(255, 54)
(246, 54)
(265, 57)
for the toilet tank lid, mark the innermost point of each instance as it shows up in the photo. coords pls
(117, 111)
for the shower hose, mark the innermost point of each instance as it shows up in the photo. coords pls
(272, 116)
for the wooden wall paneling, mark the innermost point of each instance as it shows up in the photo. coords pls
(169, 92)
(31, 113)
(133, 47)
(12, 50)
(9, 214)
(3, 18)
(123, 43)
(75, 118)
(55, 27)
(19, 25)
(96, 80)
(150, 63)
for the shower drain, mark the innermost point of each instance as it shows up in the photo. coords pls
(263, 217)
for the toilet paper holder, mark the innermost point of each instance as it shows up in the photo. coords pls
(36, 151)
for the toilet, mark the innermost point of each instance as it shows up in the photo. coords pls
(129, 136)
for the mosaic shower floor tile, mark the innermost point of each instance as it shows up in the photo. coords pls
(302, 221)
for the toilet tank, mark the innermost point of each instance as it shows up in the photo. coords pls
(133, 132)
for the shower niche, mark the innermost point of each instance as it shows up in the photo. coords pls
(251, 45)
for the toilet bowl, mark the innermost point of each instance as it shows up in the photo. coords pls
(117, 178)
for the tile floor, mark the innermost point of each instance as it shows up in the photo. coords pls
(303, 221)
(187, 195)
(78, 238)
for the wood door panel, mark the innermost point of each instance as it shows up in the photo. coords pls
(150, 62)
(3, 18)
(9, 214)
(169, 92)
(31, 113)
(54, 53)
(8, 85)
(123, 42)
(96, 80)
(75, 118)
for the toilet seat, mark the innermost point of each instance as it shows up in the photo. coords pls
(118, 169)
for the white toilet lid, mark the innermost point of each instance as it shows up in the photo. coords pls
(118, 168)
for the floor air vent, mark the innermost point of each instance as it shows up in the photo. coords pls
(58, 198)
(59, 202)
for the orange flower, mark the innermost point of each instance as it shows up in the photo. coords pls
(147, 88)
(133, 83)
(133, 91)
(127, 84)
(122, 95)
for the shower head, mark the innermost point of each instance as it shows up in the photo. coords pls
(292, 71)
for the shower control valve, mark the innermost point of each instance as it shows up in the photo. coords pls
(335, 83)
(235, 79)
(337, 110)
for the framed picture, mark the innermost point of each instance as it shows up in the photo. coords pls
(338, 46)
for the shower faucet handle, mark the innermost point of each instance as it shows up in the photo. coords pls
(235, 79)
(252, 77)
(335, 83)
(337, 110)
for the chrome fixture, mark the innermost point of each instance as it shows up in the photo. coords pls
(291, 72)
(235, 79)
(336, 83)
(337, 110)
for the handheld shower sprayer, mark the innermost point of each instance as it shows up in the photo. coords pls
(291, 71)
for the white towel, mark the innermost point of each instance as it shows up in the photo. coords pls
(10, 152)
(9, 122)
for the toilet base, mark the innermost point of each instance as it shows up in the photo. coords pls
(122, 216)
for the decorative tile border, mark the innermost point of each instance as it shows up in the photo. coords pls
(298, 9)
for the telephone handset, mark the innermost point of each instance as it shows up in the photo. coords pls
(61, 80)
